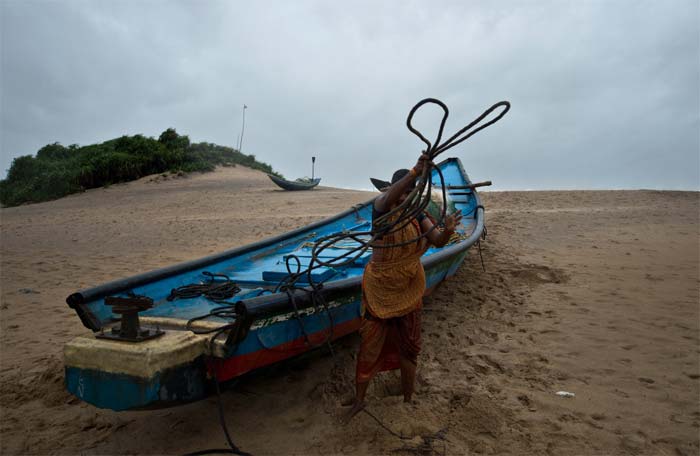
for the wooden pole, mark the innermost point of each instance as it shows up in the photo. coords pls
(470, 186)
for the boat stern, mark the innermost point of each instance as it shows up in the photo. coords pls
(126, 375)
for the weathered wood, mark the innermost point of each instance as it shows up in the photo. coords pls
(470, 186)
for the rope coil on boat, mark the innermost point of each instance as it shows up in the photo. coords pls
(217, 291)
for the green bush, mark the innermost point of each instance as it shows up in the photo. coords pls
(57, 171)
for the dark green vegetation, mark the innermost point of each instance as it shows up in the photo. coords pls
(57, 171)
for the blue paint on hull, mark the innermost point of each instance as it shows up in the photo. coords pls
(112, 391)
(125, 392)
(288, 330)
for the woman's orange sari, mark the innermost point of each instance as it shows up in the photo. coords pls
(392, 297)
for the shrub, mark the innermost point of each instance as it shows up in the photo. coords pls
(57, 171)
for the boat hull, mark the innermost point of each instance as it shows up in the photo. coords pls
(272, 339)
(294, 185)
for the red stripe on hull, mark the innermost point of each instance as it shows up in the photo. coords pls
(238, 365)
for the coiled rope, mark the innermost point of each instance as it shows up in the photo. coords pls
(217, 291)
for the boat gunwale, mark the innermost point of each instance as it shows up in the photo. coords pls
(78, 299)
(265, 305)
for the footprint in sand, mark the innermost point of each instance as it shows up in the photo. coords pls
(624, 360)
(621, 393)
(569, 418)
(525, 400)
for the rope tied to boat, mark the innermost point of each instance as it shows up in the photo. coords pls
(215, 290)
(318, 302)
(238, 313)
(483, 235)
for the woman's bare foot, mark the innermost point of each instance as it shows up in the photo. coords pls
(348, 400)
(356, 408)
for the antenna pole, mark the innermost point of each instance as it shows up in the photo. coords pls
(240, 143)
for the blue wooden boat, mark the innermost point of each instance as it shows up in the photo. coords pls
(181, 345)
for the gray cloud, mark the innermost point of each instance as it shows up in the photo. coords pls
(605, 94)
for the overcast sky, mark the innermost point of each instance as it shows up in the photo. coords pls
(605, 94)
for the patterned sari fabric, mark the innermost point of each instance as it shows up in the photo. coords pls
(392, 297)
(384, 342)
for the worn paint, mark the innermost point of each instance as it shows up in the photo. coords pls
(117, 391)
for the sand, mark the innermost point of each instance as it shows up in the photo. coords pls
(593, 293)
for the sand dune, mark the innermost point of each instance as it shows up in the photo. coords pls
(594, 293)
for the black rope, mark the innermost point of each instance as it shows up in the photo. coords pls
(215, 290)
(293, 301)
(387, 428)
(218, 292)
(319, 304)
(483, 235)
(232, 449)
(478, 244)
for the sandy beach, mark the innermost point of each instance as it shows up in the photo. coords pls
(595, 293)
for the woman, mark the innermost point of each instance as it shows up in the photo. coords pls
(392, 291)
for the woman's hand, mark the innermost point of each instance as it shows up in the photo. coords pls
(441, 237)
(451, 222)
(422, 162)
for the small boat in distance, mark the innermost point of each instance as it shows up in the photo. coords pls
(299, 184)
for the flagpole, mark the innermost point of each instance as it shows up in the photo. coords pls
(240, 144)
